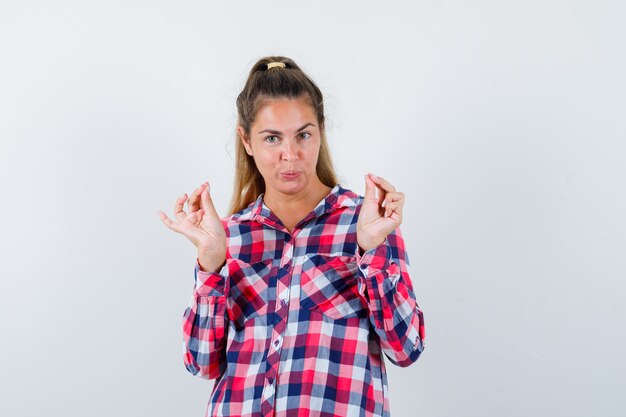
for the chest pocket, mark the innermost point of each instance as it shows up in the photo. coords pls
(249, 290)
(329, 284)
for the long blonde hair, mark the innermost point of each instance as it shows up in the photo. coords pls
(262, 84)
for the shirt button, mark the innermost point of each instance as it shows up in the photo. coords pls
(287, 238)
(270, 380)
(286, 266)
(278, 342)
(284, 297)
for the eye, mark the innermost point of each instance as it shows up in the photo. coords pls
(271, 139)
(305, 133)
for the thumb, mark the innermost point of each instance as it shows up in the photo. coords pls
(370, 188)
(207, 203)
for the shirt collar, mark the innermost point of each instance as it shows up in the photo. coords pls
(338, 197)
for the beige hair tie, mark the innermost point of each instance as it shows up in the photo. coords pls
(276, 64)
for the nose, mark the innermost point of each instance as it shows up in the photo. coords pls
(289, 151)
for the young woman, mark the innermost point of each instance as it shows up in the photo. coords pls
(304, 286)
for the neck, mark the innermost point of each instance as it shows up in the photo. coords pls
(291, 208)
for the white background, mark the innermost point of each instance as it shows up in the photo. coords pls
(502, 121)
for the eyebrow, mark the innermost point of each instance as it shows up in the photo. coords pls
(276, 132)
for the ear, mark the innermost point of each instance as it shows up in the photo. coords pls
(245, 140)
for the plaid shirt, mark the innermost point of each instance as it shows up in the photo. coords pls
(295, 324)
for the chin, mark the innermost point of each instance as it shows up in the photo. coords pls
(290, 187)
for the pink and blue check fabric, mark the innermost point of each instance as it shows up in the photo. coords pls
(296, 324)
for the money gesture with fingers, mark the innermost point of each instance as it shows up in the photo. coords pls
(380, 215)
(202, 225)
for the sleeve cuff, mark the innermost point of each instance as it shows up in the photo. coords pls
(209, 283)
(374, 260)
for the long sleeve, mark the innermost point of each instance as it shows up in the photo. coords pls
(204, 324)
(385, 284)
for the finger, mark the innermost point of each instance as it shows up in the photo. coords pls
(196, 217)
(194, 199)
(395, 207)
(179, 212)
(382, 183)
(390, 197)
(169, 223)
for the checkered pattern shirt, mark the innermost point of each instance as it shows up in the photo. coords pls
(296, 324)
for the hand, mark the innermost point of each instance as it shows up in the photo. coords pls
(202, 226)
(380, 215)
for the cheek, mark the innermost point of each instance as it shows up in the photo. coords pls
(312, 153)
(265, 161)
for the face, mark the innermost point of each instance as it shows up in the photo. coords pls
(284, 142)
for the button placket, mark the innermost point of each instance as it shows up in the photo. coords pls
(284, 297)
(269, 390)
(287, 256)
(278, 342)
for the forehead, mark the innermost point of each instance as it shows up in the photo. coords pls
(285, 113)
